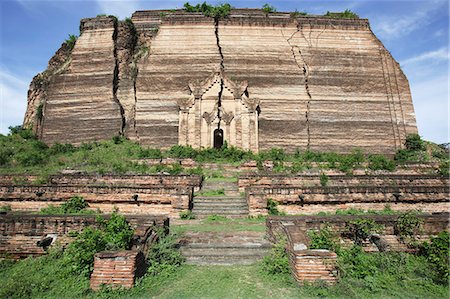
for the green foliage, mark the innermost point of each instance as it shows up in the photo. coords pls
(267, 8)
(22, 132)
(438, 253)
(380, 162)
(70, 42)
(392, 275)
(40, 111)
(443, 168)
(5, 209)
(352, 211)
(346, 14)
(79, 255)
(150, 153)
(164, 255)
(408, 225)
(414, 151)
(277, 261)
(187, 215)
(113, 234)
(75, 205)
(323, 238)
(413, 142)
(359, 230)
(297, 14)
(216, 217)
(118, 139)
(323, 179)
(59, 148)
(272, 207)
(218, 192)
(218, 11)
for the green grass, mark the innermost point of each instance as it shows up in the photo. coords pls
(21, 152)
(221, 226)
(222, 179)
(396, 276)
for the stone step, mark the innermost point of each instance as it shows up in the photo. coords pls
(222, 261)
(218, 248)
(218, 198)
(216, 211)
(218, 205)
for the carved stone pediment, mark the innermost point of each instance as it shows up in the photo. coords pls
(209, 117)
(186, 103)
(227, 117)
(250, 103)
(199, 88)
(237, 88)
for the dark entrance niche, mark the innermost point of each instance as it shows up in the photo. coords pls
(218, 138)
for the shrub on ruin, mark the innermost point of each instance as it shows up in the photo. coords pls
(414, 142)
(444, 168)
(296, 14)
(267, 8)
(71, 41)
(112, 234)
(5, 209)
(346, 14)
(359, 230)
(437, 252)
(272, 208)
(22, 132)
(324, 238)
(324, 179)
(277, 262)
(75, 205)
(408, 225)
(217, 11)
(380, 162)
(164, 255)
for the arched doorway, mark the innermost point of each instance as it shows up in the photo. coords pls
(218, 138)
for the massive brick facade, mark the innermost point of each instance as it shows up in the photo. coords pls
(254, 80)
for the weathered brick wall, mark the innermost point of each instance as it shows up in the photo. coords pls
(19, 233)
(117, 268)
(296, 227)
(303, 194)
(313, 265)
(131, 194)
(310, 180)
(134, 180)
(309, 265)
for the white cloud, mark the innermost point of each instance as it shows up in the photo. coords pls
(396, 25)
(432, 108)
(436, 55)
(13, 100)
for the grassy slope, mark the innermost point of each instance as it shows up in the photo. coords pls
(45, 278)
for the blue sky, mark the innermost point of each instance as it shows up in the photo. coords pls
(415, 32)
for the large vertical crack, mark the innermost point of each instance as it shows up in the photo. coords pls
(222, 69)
(116, 81)
(304, 68)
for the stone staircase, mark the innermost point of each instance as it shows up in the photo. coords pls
(220, 248)
(231, 204)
